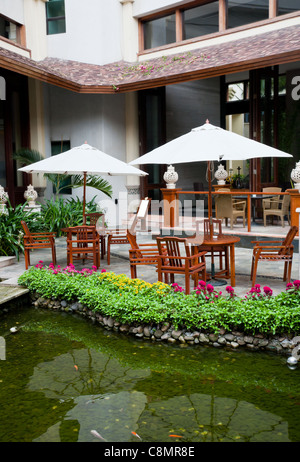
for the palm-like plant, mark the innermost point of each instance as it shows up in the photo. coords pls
(28, 156)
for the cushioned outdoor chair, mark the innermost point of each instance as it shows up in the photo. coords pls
(226, 208)
(36, 241)
(278, 208)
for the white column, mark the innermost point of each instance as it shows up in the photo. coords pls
(130, 41)
(130, 49)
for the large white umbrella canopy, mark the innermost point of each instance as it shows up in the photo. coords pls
(83, 160)
(208, 143)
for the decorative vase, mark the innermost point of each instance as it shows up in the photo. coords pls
(295, 176)
(3, 200)
(221, 174)
(31, 195)
(170, 177)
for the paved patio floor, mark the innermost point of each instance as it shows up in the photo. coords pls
(269, 274)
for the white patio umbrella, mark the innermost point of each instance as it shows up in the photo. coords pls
(208, 143)
(83, 160)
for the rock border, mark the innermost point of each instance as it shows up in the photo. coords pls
(164, 332)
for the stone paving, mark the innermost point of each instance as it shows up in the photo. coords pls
(269, 274)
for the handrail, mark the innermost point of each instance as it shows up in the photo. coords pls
(238, 193)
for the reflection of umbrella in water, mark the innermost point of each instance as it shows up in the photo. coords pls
(208, 143)
(83, 160)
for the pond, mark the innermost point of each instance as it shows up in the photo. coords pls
(64, 376)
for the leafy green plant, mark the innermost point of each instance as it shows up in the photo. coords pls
(11, 231)
(59, 213)
(133, 300)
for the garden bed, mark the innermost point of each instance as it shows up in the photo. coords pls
(159, 312)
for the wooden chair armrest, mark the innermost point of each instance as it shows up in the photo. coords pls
(277, 247)
(40, 234)
(266, 242)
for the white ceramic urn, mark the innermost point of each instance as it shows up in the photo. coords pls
(171, 177)
(221, 174)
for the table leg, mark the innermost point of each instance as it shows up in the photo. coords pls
(232, 265)
(249, 212)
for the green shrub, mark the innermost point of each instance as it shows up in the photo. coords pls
(60, 213)
(11, 231)
(133, 300)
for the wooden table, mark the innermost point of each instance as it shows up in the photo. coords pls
(220, 240)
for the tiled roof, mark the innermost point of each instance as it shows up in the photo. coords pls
(260, 50)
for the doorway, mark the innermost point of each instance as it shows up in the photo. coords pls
(152, 121)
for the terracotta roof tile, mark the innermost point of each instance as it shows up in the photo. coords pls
(259, 50)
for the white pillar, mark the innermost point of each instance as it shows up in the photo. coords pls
(130, 42)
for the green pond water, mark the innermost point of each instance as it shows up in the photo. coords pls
(64, 376)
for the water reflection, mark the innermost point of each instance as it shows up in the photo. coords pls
(64, 377)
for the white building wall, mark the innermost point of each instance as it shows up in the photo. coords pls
(93, 32)
(13, 9)
(145, 7)
(97, 119)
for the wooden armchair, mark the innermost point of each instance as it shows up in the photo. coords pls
(226, 208)
(141, 254)
(83, 243)
(278, 208)
(97, 219)
(172, 261)
(274, 251)
(217, 251)
(119, 236)
(34, 241)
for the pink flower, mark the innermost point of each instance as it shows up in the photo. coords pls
(210, 288)
(103, 271)
(201, 283)
(229, 289)
(268, 291)
(297, 284)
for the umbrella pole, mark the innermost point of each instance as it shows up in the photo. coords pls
(211, 231)
(216, 282)
(84, 193)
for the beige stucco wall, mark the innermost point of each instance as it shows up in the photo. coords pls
(35, 23)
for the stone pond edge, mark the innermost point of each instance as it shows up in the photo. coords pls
(287, 345)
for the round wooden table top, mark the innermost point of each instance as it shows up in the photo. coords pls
(223, 239)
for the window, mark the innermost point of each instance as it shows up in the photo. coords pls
(56, 21)
(201, 20)
(158, 32)
(9, 30)
(208, 17)
(57, 147)
(288, 6)
(238, 91)
(246, 12)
